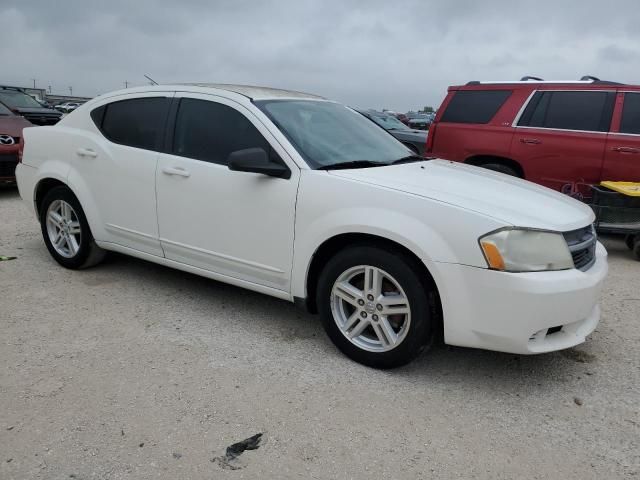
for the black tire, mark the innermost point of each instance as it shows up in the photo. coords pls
(636, 247)
(421, 330)
(630, 241)
(498, 167)
(88, 254)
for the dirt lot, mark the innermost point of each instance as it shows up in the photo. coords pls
(132, 370)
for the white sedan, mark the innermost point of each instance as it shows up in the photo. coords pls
(304, 199)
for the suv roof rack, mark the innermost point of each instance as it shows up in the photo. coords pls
(526, 78)
(590, 79)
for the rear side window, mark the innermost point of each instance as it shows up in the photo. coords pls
(631, 114)
(210, 131)
(138, 122)
(588, 111)
(474, 106)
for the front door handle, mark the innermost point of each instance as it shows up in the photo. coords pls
(176, 171)
(626, 149)
(86, 152)
(530, 141)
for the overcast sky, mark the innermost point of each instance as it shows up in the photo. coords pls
(366, 53)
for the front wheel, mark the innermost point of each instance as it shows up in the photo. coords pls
(375, 306)
(66, 232)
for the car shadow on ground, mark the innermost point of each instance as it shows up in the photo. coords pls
(282, 321)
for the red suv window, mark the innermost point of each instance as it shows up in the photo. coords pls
(584, 110)
(631, 114)
(474, 106)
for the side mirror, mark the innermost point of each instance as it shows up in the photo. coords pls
(256, 160)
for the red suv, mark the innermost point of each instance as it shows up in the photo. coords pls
(564, 135)
(10, 133)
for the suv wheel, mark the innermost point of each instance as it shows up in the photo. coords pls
(499, 167)
(66, 232)
(630, 240)
(375, 306)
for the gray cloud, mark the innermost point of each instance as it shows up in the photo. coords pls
(373, 53)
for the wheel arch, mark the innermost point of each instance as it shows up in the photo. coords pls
(479, 160)
(46, 183)
(334, 244)
(42, 187)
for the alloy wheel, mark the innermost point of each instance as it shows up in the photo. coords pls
(63, 228)
(370, 308)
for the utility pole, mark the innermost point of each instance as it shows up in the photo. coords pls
(34, 82)
(71, 91)
(126, 84)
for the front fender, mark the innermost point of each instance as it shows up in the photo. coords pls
(435, 232)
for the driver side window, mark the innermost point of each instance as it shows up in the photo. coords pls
(210, 131)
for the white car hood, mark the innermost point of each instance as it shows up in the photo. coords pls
(508, 199)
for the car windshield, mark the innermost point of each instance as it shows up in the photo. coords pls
(4, 110)
(16, 99)
(327, 134)
(388, 122)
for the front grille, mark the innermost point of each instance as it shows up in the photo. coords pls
(582, 245)
(40, 119)
(8, 164)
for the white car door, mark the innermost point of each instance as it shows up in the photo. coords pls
(235, 224)
(117, 166)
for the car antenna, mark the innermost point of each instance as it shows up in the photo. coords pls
(153, 82)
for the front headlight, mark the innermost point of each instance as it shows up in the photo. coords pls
(523, 250)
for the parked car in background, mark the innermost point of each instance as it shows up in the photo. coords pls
(564, 135)
(303, 199)
(416, 140)
(403, 118)
(25, 105)
(10, 134)
(419, 122)
(67, 107)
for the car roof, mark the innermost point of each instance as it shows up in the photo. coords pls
(591, 84)
(255, 92)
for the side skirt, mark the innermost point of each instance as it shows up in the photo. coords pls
(196, 270)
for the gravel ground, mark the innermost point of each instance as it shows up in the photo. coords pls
(133, 370)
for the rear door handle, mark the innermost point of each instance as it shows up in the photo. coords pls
(530, 141)
(86, 152)
(626, 150)
(176, 171)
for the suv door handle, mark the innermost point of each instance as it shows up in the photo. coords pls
(530, 141)
(176, 171)
(626, 150)
(86, 152)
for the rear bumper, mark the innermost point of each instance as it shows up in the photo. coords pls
(26, 180)
(513, 312)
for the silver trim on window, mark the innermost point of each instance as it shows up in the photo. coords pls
(514, 124)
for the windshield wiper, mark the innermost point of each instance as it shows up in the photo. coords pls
(352, 164)
(408, 159)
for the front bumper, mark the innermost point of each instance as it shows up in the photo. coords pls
(8, 162)
(513, 312)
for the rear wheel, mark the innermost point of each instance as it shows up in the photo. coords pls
(66, 232)
(499, 167)
(375, 306)
(636, 247)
